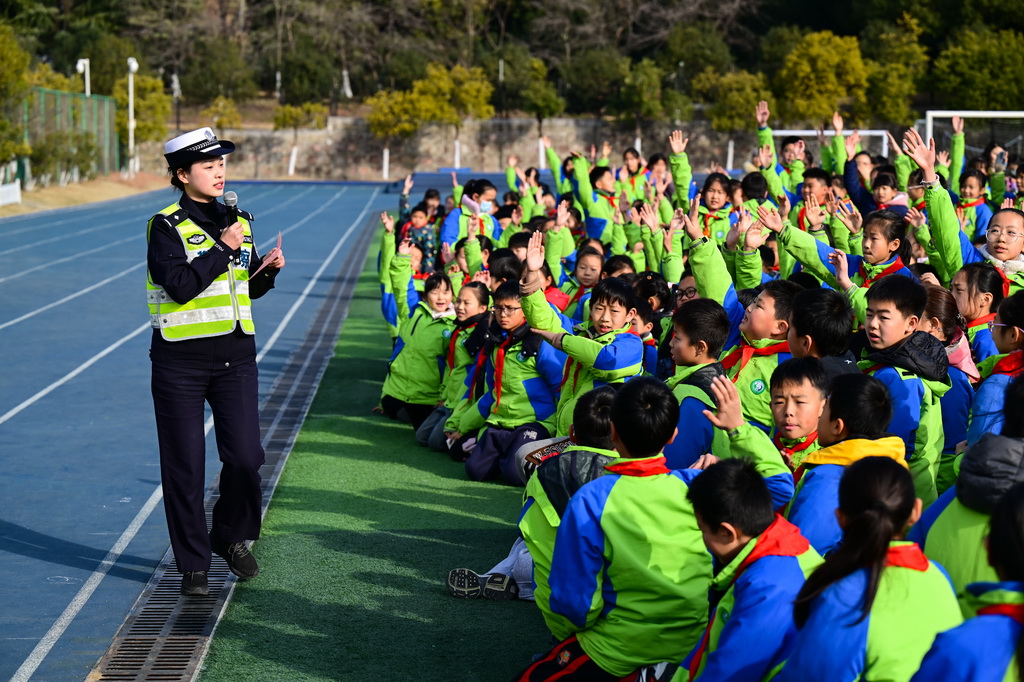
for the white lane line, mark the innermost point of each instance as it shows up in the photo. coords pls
(59, 261)
(108, 280)
(72, 374)
(46, 644)
(62, 237)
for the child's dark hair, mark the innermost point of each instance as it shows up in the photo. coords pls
(598, 172)
(788, 140)
(431, 194)
(483, 296)
(976, 174)
(909, 297)
(611, 291)
(644, 311)
(721, 178)
(1006, 547)
(420, 208)
(876, 495)
(588, 251)
(1011, 310)
(592, 418)
(505, 212)
(520, 240)
(507, 291)
(782, 292)
(1015, 211)
(438, 279)
(510, 199)
(617, 264)
(893, 227)
(748, 296)
(591, 243)
(485, 244)
(704, 320)
(983, 278)
(798, 370)
(942, 306)
(885, 179)
(1013, 409)
(655, 158)
(817, 174)
(754, 186)
(804, 279)
(505, 266)
(919, 270)
(650, 284)
(826, 316)
(732, 491)
(478, 187)
(645, 414)
(862, 402)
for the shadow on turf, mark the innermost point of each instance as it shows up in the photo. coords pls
(17, 539)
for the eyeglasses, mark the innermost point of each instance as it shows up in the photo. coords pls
(688, 292)
(995, 233)
(506, 311)
(993, 324)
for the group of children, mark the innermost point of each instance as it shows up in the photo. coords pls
(768, 429)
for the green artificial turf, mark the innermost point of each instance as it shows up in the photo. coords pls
(360, 533)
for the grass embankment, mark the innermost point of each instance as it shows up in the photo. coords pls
(359, 536)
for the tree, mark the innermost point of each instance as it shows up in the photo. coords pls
(592, 80)
(896, 62)
(777, 44)
(152, 108)
(731, 97)
(822, 73)
(640, 97)
(223, 114)
(451, 96)
(540, 98)
(308, 115)
(43, 76)
(13, 89)
(689, 47)
(393, 114)
(216, 67)
(977, 56)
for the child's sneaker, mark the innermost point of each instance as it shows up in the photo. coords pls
(501, 587)
(464, 583)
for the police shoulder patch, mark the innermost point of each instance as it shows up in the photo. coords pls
(197, 239)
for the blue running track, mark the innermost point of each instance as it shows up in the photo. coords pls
(81, 520)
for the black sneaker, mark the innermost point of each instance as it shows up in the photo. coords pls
(240, 560)
(501, 587)
(195, 584)
(464, 583)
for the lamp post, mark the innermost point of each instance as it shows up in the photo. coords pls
(133, 67)
(83, 68)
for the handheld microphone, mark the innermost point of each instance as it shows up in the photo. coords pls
(231, 203)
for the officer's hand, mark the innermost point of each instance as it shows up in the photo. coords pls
(232, 236)
(274, 259)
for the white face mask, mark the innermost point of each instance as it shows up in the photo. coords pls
(485, 206)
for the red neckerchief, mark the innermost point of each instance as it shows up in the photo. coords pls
(971, 204)
(707, 223)
(1012, 365)
(405, 230)
(611, 200)
(907, 556)
(649, 466)
(632, 178)
(801, 218)
(896, 266)
(478, 366)
(421, 275)
(451, 344)
(1006, 283)
(882, 207)
(569, 363)
(745, 351)
(577, 296)
(557, 297)
(781, 538)
(1015, 611)
(799, 447)
(499, 370)
(981, 321)
(920, 205)
(480, 222)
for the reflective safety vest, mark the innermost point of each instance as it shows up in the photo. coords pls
(222, 305)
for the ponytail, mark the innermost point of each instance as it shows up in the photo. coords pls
(877, 497)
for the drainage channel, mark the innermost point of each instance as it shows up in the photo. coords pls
(166, 636)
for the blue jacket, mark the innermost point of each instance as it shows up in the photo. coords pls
(450, 228)
(956, 409)
(862, 198)
(987, 408)
(983, 648)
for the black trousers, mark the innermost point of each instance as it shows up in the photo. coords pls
(179, 393)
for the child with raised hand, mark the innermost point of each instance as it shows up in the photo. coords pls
(412, 387)
(699, 331)
(757, 339)
(1004, 236)
(914, 366)
(819, 327)
(989, 646)
(603, 349)
(642, 325)
(474, 212)
(790, 167)
(471, 305)
(885, 247)
(553, 484)
(523, 377)
(943, 321)
(714, 212)
(953, 530)
(764, 561)
(998, 370)
(595, 190)
(873, 608)
(679, 167)
(979, 288)
(388, 306)
(884, 193)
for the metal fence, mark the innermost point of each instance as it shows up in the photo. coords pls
(48, 111)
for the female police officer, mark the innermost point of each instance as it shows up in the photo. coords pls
(200, 286)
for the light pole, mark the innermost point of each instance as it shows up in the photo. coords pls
(133, 67)
(83, 68)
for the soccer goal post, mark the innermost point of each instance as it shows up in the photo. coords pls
(931, 115)
(831, 133)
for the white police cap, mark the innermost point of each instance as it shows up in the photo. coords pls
(195, 145)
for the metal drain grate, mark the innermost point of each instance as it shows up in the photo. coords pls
(166, 636)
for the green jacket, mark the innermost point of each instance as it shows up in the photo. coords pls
(598, 209)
